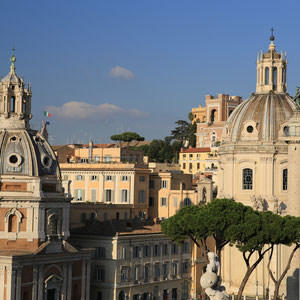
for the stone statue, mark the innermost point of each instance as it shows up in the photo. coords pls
(255, 204)
(297, 98)
(210, 280)
(260, 202)
(277, 208)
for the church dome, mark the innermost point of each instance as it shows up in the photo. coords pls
(26, 152)
(260, 118)
(12, 77)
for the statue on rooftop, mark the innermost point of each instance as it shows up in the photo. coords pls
(296, 98)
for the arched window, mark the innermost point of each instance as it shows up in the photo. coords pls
(267, 75)
(284, 179)
(187, 201)
(212, 115)
(283, 75)
(247, 179)
(275, 79)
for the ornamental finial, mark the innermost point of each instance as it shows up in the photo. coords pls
(272, 38)
(13, 60)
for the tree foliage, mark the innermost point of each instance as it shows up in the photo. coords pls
(127, 137)
(254, 233)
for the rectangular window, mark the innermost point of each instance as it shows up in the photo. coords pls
(151, 184)
(191, 155)
(108, 178)
(124, 178)
(100, 252)
(142, 178)
(191, 166)
(146, 271)
(185, 247)
(79, 177)
(105, 216)
(108, 195)
(175, 268)
(124, 274)
(164, 184)
(165, 269)
(156, 271)
(184, 166)
(66, 177)
(151, 201)
(174, 248)
(142, 196)
(94, 195)
(137, 251)
(163, 201)
(79, 195)
(117, 215)
(100, 274)
(156, 250)
(185, 267)
(183, 155)
(198, 166)
(124, 196)
(165, 249)
(147, 251)
(125, 215)
(94, 177)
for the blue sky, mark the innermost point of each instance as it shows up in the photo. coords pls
(103, 67)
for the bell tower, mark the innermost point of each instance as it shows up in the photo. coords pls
(271, 70)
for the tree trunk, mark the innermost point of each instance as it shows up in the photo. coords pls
(278, 282)
(246, 277)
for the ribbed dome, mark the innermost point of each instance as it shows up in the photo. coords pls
(259, 118)
(12, 77)
(26, 152)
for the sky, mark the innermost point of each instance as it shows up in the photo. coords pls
(104, 67)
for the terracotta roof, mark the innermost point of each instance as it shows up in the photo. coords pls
(195, 150)
(119, 227)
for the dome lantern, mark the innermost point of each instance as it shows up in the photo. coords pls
(271, 70)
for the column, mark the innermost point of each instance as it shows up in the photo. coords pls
(86, 187)
(69, 290)
(83, 276)
(35, 282)
(11, 283)
(116, 188)
(19, 283)
(2, 276)
(65, 281)
(88, 275)
(101, 187)
(41, 282)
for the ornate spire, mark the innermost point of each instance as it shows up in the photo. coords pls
(13, 60)
(272, 38)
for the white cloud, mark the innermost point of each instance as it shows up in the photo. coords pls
(84, 110)
(120, 72)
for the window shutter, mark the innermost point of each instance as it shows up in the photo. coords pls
(112, 196)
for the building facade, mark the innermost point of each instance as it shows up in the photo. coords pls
(217, 112)
(134, 260)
